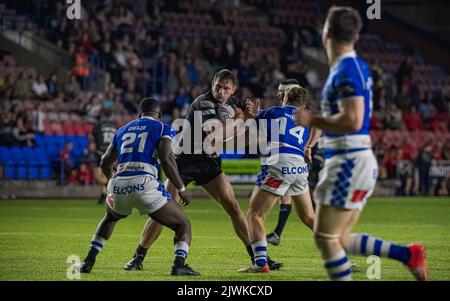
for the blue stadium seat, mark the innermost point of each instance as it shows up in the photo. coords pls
(17, 155)
(33, 172)
(39, 140)
(45, 172)
(22, 172)
(5, 155)
(10, 172)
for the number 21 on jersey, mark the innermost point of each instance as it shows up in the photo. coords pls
(129, 138)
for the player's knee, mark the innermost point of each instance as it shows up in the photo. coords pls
(112, 216)
(254, 215)
(307, 219)
(325, 240)
(183, 225)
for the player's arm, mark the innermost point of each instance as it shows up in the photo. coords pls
(314, 135)
(107, 161)
(349, 119)
(169, 165)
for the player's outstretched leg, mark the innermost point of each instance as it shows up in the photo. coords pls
(413, 255)
(261, 203)
(172, 216)
(362, 244)
(274, 238)
(221, 190)
(329, 225)
(102, 234)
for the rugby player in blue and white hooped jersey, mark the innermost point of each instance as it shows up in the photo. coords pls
(284, 171)
(140, 147)
(350, 170)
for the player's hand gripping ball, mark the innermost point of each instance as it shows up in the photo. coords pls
(226, 112)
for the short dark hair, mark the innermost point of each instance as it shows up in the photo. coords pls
(225, 74)
(289, 81)
(344, 23)
(149, 105)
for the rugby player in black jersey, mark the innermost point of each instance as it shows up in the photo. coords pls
(205, 169)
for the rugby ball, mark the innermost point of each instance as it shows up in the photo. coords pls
(226, 112)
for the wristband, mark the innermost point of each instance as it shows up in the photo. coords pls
(182, 189)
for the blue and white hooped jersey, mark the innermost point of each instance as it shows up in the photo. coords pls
(282, 134)
(349, 77)
(137, 143)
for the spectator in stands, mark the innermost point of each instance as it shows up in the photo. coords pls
(424, 164)
(39, 88)
(393, 117)
(229, 52)
(403, 100)
(21, 136)
(86, 43)
(412, 120)
(81, 68)
(446, 150)
(66, 161)
(376, 122)
(22, 86)
(53, 85)
(182, 102)
(172, 79)
(93, 108)
(294, 47)
(85, 175)
(425, 111)
(405, 69)
(390, 162)
(406, 175)
(72, 89)
(439, 119)
(37, 119)
(6, 129)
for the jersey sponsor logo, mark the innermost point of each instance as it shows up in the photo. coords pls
(273, 182)
(359, 195)
(128, 189)
(294, 170)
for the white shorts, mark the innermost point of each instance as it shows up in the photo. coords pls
(288, 176)
(145, 193)
(347, 180)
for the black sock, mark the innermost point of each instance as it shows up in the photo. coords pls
(285, 210)
(179, 261)
(140, 251)
(102, 198)
(91, 255)
(250, 252)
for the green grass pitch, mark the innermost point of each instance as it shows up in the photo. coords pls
(36, 238)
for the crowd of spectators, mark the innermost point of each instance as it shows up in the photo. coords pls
(410, 123)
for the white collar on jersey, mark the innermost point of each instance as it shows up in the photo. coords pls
(148, 117)
(343, 56)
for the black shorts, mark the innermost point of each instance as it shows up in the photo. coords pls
(198, 168)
